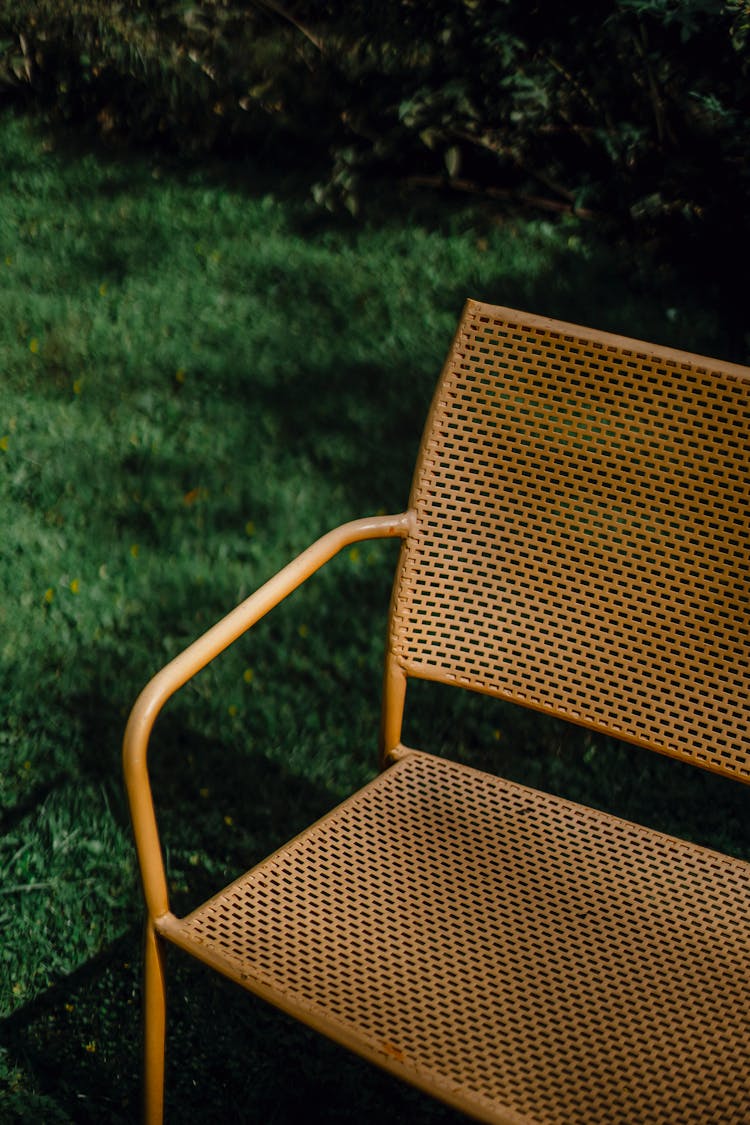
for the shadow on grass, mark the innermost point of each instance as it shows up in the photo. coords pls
(623, 258)
(81, 1044)
(78, 1043)
(10, 818)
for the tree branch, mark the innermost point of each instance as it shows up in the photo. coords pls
(471, 188)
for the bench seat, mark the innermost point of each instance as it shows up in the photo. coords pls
(532, 959)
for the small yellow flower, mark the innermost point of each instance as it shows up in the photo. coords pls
(77, 386)
(249, 528)
(8, 260)
(90, 1047)
(4, 443)
(49, 595)
(233, 710)
(27, 765)
(247, 675)
(34, 345)
(496, 735)
(354, 555)
(75, 586)
(228, 821)
(303, 630)
(134, 549)
(194, 859)
(103, 289)
(70, 1007)
(204, 792)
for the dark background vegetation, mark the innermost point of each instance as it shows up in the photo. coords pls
(234, 242)
(633, 111)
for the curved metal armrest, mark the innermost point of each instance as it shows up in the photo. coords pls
(177, 673)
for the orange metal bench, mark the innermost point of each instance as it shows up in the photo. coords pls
(577, 541)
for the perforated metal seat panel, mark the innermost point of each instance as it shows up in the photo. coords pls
(533, 960)
(582, 539)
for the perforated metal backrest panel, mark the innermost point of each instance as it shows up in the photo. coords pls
(582, 505)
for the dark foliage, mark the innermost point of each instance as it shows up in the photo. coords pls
(635, 110)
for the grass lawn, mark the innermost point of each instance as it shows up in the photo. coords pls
(200, 375)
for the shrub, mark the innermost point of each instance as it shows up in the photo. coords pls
(633, 108)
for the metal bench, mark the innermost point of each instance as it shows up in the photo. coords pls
(577, 541)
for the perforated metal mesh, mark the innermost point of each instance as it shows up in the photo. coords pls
(583, 535)
(536, 960)
(581, 542)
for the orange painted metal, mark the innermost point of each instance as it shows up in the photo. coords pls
(177, 673)
(522, 957)
(577, 542)
(582, 505)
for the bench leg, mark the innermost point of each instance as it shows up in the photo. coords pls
(154, 1012)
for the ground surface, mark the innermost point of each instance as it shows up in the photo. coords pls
(200, 375)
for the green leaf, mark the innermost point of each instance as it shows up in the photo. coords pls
(452, 158)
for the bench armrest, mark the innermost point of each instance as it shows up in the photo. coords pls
(195, 657)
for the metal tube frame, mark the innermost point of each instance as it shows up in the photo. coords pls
(135, 752)
(184, 666)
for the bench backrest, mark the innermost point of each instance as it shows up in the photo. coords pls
(583, 543)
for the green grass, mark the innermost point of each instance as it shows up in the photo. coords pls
(199, 376)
